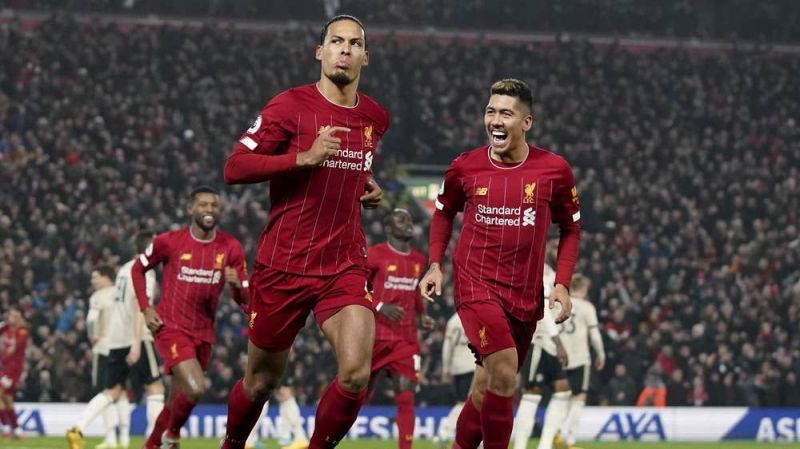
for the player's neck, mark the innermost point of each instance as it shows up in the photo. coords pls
(400, 246)
(514, 156)
(345, 96)
(201, 235)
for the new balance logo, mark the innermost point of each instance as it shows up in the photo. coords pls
(529, 217)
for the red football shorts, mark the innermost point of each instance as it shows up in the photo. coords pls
(280, 302)
(397, 357)
(490, 329)
(176, 346)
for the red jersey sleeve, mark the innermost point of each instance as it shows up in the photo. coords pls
(260, 153)
(566, 212)
(449, 202)
(156, 253)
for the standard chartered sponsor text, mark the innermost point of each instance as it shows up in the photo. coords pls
(496, 215)
(339, 160)
(400, 283)
(199, 275)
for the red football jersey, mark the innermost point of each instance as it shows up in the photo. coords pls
(12, 345)
(314, 225)
(193, 277)
(393, 279)
(507, 213)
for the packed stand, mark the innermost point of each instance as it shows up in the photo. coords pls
(687, 166)
(764, 20)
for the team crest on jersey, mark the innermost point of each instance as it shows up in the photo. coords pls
(481, 191)
(391, 267)
(218, 261)
(252, 322)
(530, 190)
(417, 270)
(575, 196)
(482, 336)
(368, 136)
(186, 256)
(174, 350)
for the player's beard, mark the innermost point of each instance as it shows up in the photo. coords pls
(199, 222)
(340, 78)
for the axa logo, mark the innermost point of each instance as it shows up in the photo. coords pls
(529, 217)
(633, 426)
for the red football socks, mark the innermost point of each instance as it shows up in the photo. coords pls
(181, 409)
(336, 412)
(405, 418)
(154, 439)
(243, 414)
(497, 420)
(468, 427)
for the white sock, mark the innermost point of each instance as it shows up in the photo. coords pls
(124, 414)
(570, 426)
(290, 414)
(553, 417)
(110, 420)
(253, 437)
(447, 431)
(525, 419)
(154, 405)
(96, 406)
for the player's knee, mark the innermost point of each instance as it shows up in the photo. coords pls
(156, 387)
(195, 390)
(261, 386)
(503, 381)
(354, 379)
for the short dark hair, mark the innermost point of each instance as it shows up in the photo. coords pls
(514, 88)
(338, 18)
(202, 189)
(387, 219)
(141, 240)
(106, 270)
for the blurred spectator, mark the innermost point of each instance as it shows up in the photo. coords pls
(621, 389)
(654, 393)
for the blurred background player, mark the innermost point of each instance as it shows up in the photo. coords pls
(458, 367)
(394, 271)
(145, 372)
(291, 434)
(544, 367)
(14, 334)
(98, 321)
(315, 144)
(509, 192)
(198, 261)
(575, 334)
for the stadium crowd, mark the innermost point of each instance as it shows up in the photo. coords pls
(687, 164)
(770, 20)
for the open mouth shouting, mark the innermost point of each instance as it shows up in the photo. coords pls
(499, 137)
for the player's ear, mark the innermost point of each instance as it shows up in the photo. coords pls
(366, 58)
(527, 122)
(318, 53)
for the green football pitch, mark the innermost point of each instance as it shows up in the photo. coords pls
(206, 443)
